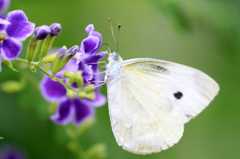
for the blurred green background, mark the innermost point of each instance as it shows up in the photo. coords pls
(200, 33)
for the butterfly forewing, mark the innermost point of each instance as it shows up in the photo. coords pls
(187, 89)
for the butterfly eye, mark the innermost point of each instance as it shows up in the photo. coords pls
(178, 95)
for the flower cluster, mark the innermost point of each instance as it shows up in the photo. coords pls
(87, 57)
(14, 29)
(73, 108)
(73, 81)
(77, 95)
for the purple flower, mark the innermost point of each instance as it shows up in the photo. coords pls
(13, 30)
(74, 109)
(69, 110)
(88, 57)
(9, 152)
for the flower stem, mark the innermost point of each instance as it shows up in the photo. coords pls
(36, 65)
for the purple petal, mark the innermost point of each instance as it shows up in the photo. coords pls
(87, 71)
(19, 28)
(79, 56)
(98, 77)
(82, 111)
(70, 66)
(11, 49)
(97, 34)
(89, 45)
(3, 24)
(74, 85)
(89, 29)
(64, 113)
(51, 90)
(100, 100)
(95, 59)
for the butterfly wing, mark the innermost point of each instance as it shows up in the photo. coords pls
(187, 89)
(150, 101)
(142, 119)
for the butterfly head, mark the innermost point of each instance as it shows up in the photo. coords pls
(113, 67)
(114, 57)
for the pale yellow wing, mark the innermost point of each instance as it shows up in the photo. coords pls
(142, 118)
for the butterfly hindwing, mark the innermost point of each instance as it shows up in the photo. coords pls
(142, 118)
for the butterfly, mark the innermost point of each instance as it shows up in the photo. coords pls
(150, 100)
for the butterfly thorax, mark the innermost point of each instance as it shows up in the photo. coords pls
(113, 67)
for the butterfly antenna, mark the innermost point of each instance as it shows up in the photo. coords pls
(109, 20)
(119, 26)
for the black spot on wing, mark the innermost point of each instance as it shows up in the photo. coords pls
(178, 95)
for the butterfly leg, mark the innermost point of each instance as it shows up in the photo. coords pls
(102, 83)
(105, 64)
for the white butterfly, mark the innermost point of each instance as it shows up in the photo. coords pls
(150, 100)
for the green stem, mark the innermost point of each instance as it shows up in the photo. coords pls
(47, 74)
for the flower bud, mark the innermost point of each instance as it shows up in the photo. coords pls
(62, 51)
(79, 79)
(55, 29)
(46, 46)
(42, 32)
(72, 51)
(82, 95)
(63, 57)
(50, 58)
(70, 94)
(32, 49)
(59, 61)
(67, 74)
(91, 96)
(72, 79)
(89, 88)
